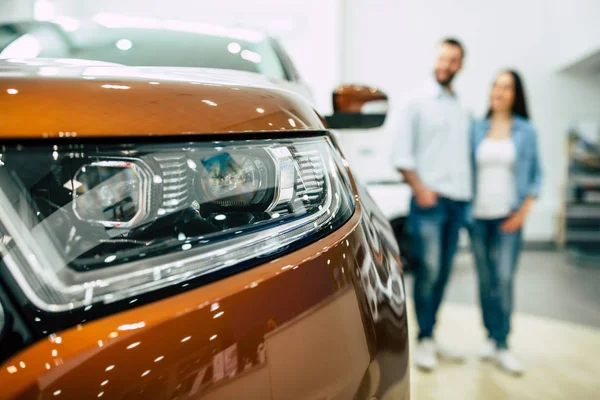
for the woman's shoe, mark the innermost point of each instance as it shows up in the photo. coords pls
(507, 361)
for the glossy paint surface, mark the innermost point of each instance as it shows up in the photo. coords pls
(324, 322)
(308, 325)
(53, 99)
(352, 98)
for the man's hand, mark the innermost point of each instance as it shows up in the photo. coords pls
(426, 198)
(513, 223)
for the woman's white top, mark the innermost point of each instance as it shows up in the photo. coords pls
(496, 184)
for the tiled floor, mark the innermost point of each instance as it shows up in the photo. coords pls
(546, 285)
(562, 360)
(556, 333)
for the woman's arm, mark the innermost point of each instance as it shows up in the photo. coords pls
(516, 220)
(527, 206)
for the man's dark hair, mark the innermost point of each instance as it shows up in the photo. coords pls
(455, 42)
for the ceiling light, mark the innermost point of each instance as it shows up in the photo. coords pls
(251, 56)
(234, 48)
(124, 44)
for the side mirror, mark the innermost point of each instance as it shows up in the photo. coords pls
(357, 107)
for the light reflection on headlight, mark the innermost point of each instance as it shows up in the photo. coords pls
(113, 193)
(127, 225)
(230, 182)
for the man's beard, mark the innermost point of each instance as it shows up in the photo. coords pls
(445, 82)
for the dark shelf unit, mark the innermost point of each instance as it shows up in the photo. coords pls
(581, 217)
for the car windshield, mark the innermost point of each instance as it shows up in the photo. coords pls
(175, 44)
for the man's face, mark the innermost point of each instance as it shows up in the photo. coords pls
(447, 64)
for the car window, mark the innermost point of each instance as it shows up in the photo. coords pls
(143, 47)
(289, 68)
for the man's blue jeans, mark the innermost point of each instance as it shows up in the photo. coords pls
(496, 256)
(435, 233)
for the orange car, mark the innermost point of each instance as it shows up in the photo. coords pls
(188, 234)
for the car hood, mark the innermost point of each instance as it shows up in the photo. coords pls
(74, 98)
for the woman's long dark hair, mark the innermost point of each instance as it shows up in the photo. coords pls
(519, 106)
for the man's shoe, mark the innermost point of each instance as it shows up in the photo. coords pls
(489, 351)
(425, 355)
(507, 361)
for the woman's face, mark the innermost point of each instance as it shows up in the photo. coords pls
(503, 93)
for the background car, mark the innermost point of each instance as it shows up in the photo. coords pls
(128, 42)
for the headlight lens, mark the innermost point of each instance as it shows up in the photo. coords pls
(113, 193)
(101, 223)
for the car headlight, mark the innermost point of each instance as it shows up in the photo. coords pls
(114, 193)
(92, 223)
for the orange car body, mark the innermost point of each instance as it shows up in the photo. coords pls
(327, 321)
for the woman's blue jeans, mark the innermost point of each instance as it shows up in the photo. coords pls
(496, 256)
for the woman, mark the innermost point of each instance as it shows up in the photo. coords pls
(507, 180)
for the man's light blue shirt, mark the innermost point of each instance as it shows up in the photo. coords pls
(434, 141)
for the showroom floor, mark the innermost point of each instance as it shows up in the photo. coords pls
(556, 333)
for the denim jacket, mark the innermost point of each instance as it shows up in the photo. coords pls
(528, 174)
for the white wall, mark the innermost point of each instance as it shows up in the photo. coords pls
(391, 44)
(309, 29)
(576, 28)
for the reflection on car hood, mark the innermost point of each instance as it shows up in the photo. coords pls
(74, 98)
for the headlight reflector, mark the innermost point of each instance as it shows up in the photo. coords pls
(232, 180)
(112, 193)
(110, 222)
